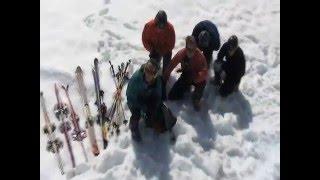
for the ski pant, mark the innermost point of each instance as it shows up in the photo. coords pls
(153, 119)
(229, 86)
(183, 85)
(166, 58)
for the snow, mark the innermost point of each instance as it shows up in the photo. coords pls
(231, 138)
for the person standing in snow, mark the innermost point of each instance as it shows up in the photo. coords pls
(207, 38)
(144, 100)
(158, 37)
(194, 71)
(228, 73)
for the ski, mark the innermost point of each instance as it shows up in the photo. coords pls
(78, 134)
(89, 122)
(54, 144)
(100, 104)
(61, 112)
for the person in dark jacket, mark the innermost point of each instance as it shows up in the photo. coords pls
(228, 72)
(194, 72)
(144, 99)
(158, 37)
(207, 37)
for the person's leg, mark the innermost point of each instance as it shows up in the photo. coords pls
(166, 60)
(155, 55)
(134, 124)
(227, 87)
(179, 88)
(197, 94)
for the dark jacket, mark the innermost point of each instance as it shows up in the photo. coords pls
(207, 25)
(142, 96)
(234, 66)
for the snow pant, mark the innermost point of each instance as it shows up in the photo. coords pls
(166, 59)
(183, 85)
(153, 119)
(228, 86)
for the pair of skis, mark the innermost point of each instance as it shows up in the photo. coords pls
(89, 118)
(102, 108)
(54, 144)
(78, 134)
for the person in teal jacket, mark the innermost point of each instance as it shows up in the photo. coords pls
(144, 98)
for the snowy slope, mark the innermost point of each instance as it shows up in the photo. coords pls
(233, 138)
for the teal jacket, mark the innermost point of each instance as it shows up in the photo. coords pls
(140, 95)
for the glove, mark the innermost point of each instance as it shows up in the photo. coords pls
(179, 70)
(223, 75)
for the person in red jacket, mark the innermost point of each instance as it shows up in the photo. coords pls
(158, 37)
(194, 71)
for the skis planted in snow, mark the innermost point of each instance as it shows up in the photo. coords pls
(89, 122)
(54, 144)
(100, 104)
(61, 112)
(78, 133)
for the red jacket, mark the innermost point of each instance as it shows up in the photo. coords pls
(198, 65)
(160, 40)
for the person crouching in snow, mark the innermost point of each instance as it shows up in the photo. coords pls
(194, 72)
(228, 73)
(158, 37)
(207, 38)
(144, 100)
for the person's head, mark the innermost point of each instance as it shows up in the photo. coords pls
(150, 70)
(233, 43)
(204, 39)
(161, 19)
(191, 46)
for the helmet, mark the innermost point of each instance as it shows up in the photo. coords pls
(161, 18)
(233, 41)
(204, 39)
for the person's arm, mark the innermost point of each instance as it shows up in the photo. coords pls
(133, 91)
(222, 53)
(172, 64)
(242, 63)
(202, 73)
(146, 38)
(172, 38)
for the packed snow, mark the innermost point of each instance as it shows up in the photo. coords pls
(229, 139)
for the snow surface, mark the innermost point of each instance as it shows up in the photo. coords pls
(229, 139)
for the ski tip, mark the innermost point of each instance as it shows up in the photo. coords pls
(78, 70)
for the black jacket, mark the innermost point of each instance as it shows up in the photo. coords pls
(207, 25)
(234, 66)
